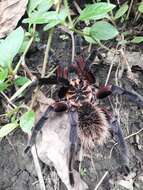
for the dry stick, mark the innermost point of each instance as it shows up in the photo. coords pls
(47, 52)
(38, 168)
(111, 66)
(129, 10)
(28, 71)
(73, 46)
(89, 47)
(20, 90)
(101, 180)
(130, 74)
(137, 16)
(8, 100)
(109, 72)
(77, 7)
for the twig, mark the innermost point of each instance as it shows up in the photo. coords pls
(101, 180)
(89, 47)
(137, 16)
(20, 90)
(109, 72)
(129, 10)
(31, 76)
(73, 47)
(77, 7)
(34, 97)
(47, 52)
(111, 66)
(38, 168)
(50, 73)
(8, 100)
(130, 74)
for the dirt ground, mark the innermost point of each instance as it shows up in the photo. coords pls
(17, 170)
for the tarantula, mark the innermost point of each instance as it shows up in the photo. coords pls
(88, 121)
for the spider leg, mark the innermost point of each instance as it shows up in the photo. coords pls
(54, 80)
(118, 135)
(73, 117)
(57, 107)
(37, 128)
(132, 96)
(105, 91)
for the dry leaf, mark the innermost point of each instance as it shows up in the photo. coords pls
(10, 13)
(126, 184)
(53, 145)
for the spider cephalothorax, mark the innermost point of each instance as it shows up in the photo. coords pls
(88, 121)
(80, 91)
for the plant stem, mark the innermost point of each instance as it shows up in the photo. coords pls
(79, 32)
(49, 45)
(68, 11)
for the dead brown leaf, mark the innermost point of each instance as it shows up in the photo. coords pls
(10, 13)
(53, 144)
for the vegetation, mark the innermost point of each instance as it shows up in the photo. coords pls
(101, 21)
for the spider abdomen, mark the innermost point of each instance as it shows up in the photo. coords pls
(93, 125)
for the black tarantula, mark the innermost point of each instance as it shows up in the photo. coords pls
(88, 121)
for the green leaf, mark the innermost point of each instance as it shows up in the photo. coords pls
(51, 24)
(49, 17)
(10, 47)
(38, 18)
(32, 5)
(40, 5)
(140, 7)
(60, 19)
(20, 81)
(103, 31)
(3, 74)
(137, 39)
(3, 86)
(6, 129)
(95, 11)
(86, 31)
(27, 121)
(121, 11)
(45, 5)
